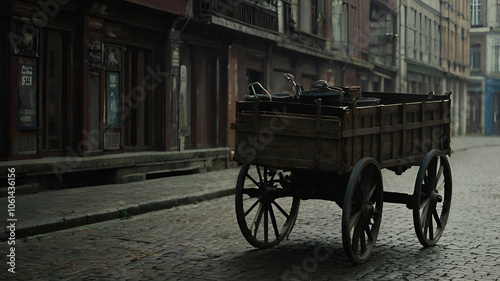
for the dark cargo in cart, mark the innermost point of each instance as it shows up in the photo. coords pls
(331, 143)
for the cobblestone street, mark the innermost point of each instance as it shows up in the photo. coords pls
(203, 241)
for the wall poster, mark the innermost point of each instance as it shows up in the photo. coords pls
(112, 97)
(27, 93)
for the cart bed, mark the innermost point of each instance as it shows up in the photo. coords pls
(398, 133)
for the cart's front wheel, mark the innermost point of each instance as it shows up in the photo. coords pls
(432, 198)
(362, 210)
(265, 208)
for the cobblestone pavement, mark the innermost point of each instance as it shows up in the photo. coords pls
(203, 241)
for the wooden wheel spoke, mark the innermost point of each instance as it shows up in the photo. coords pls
(440, 186)
(354, 219)
(360, 238)
(258, 217)
(425, 212)
(281, 209)
(439, 174)
(440, 181)
(370, 193)
(266, 224)
(429, 226)
(251, 207)
(273, 221)
(253, 180)
(355, 241)
(368, 231)
(437, 218)
(358, 194)
(425, 203)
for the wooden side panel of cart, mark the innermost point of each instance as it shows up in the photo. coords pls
(288, 141)
(397, 135)
(334, 139)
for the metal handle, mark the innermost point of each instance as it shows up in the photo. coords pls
(252, 86)
(296, 87)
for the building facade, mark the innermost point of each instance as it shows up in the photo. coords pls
(95, 78)
(484, 83)
(87, 77)
(434, 51)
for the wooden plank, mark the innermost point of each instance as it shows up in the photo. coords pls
(286, 108)
(281, 122)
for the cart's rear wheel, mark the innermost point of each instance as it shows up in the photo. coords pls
(265, 208)
(432, 198)
(362, 210)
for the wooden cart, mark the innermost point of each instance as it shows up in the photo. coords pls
(291, 151)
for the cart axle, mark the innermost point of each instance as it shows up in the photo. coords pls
(399, 198)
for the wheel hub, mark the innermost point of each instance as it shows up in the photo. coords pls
(367, 210)
(436, 197)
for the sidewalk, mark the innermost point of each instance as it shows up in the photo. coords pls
(53, 210)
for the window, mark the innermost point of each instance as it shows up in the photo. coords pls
(475, 13)
(314, 18)
(412, 35)
(452, 45)
(338, 25)
(437, 43)
(308, 16)
(497, 54)
(352, 28)
(412, 18)
(475, 57)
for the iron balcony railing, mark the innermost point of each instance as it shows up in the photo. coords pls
(244, 11)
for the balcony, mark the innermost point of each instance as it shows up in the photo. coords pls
(242, 11)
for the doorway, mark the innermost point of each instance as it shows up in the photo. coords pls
(496, 113)
(474, 118)
(55, 91)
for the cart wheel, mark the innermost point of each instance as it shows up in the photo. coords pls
(265, 208)
(362, 210)
(432, 198)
